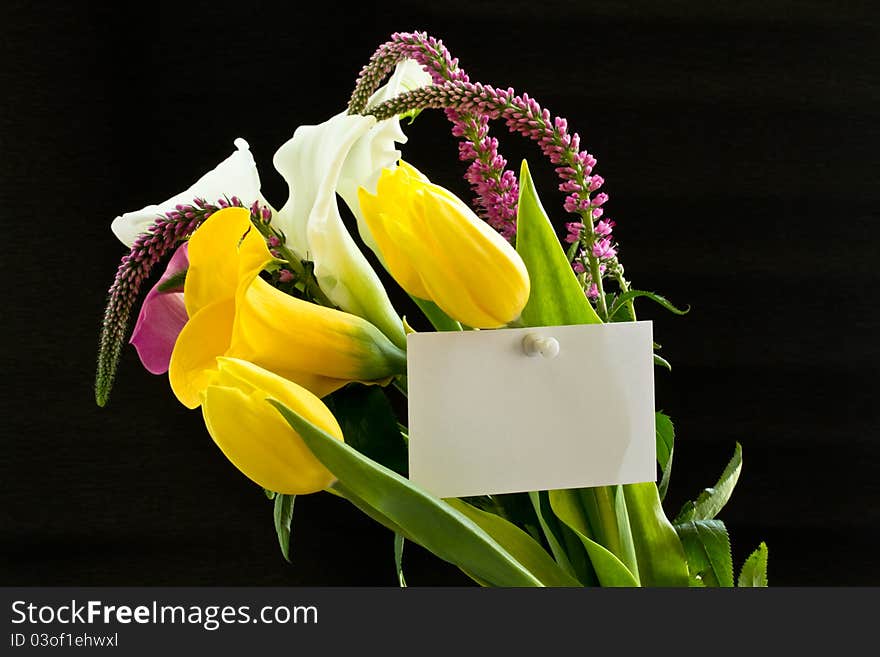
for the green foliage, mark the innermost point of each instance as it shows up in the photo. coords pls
(665, 432)
(660, 555)
(610, 570)
(707, 546)
(713, 499)
(369, 425)
(522, 546)
(622, 300)
(754, 570)
(556, 298)
(401, 506)
(398, 558)
(283, 520)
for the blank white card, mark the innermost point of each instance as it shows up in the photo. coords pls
(487, 414)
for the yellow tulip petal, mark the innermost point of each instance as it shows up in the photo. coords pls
(393, 243)
(213, 258)
(193, 361)
(253, 434)
(249, 376)
(436, 247)
(258, 441)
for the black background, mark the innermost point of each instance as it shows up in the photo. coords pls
(738, 142)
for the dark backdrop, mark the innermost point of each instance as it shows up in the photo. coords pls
(738, 142)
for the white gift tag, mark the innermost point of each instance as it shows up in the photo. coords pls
(515, 410)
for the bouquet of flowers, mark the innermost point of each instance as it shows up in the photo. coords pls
(275, 324)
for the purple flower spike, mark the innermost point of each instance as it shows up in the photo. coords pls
(162, 317)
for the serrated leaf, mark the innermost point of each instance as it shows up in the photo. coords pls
(283, 521)
(398, 558)
(754, 570)
(403, 507)
(610, 570)
(665, 436)
(707, 546)
(629, 295)
(522, 546)
(369, 424)
(556, 298)
(712, 500)
(660, 555)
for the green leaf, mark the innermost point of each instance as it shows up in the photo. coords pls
(369, 424)
(556, 298)
(623, 298)
(439, 319)
(712, 500)
(409, 510)
(754, 570)
(662, 362)
(398, 558)
(606, 515)
(665, 432)
(707, 546)
(660, 555)
(519, 544)
(551, 530)
(609, 569)
(283, 520)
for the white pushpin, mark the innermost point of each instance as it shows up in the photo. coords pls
(534, 345)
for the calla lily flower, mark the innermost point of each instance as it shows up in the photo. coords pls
(235, 176)
(340, 155)
(434, 245)
(255, 437)
(233, 312)
(162, 317)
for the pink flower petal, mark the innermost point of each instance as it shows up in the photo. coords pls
(161, 318)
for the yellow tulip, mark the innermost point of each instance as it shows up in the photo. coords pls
(255, 437)
(233, 312)
(434, 245)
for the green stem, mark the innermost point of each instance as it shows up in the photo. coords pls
(595, 274)
(305, 280)
(623, 284)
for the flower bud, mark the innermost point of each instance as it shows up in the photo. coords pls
(437, 249)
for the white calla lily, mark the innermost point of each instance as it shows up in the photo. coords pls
(340, 155)
(235, 176)
(376, 150)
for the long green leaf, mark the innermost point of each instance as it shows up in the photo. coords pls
(519, 544)
(661, 557)
(754, 570)
(556, 298)
(283, 519)
(707, 546)
(712, 500)
(609, 569)
(551, 531)
(605, 512)
(419, 516)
